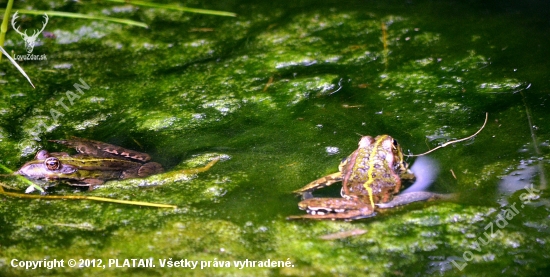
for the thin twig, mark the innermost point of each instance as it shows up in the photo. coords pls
(4, 27)
(83, 197)
(540, 167)
(385, 42)
(174, 7)
(269, 82)
(454, 141)
(16, 65)
(86, 16)
(453, 173)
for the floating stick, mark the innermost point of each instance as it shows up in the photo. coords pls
(83, 197)
(454, 141)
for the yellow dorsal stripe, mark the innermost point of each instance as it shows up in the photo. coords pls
(372, 155)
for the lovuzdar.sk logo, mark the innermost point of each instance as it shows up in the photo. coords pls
(30, 40)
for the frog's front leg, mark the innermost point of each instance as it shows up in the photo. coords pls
(334, 208)
(416, 196)
(321, 183)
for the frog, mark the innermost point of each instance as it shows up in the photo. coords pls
(371, 177)
(95, 163)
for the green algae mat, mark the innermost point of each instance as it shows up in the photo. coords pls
(281, 93)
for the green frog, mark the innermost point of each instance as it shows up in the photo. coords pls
(96, 163)
(371, 177)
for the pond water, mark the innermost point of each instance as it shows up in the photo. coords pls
(282, 93)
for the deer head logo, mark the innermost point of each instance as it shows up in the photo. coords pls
(29, 40)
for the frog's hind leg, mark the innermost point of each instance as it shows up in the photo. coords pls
(321, 183)
(416, 196)
(150, 168)
(102, 149)
(334, 214)
(334, 209)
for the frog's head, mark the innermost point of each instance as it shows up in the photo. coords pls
(45, 166)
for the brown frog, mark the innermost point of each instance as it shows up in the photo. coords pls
(371, 177)
(96, 163)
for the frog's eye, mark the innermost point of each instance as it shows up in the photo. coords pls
(395, 144)
(52, 163)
